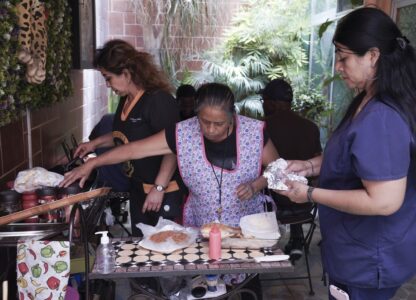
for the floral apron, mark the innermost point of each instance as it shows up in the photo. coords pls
(197, 173)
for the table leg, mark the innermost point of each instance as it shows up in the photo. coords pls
(84, 237)
(239, 289)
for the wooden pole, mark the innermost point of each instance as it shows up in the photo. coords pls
(40, 209)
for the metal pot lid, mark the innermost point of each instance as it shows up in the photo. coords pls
(9, 196)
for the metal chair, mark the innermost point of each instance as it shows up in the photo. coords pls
(307, 218)
(116, 201)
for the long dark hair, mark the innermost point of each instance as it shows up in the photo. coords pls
(118, 55)
(395, 82)
(215, 94)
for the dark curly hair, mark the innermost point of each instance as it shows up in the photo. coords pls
(118, 55)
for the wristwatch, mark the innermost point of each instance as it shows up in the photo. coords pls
(160, 188)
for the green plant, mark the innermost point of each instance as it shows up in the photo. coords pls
(9, 68)
(260, 47)
(312, 104)
(16, 94)
(180, 19)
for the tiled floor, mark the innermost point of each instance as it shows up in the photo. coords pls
(295, 289)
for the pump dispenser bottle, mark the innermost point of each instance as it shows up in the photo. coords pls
(215, 243)
(104, 256)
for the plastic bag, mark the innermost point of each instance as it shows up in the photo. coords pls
(169, 245)
(32, 179)
(109, 217)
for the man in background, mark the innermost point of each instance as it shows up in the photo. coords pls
(295, 138)
(185, 95)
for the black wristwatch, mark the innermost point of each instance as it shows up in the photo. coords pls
(160, 188)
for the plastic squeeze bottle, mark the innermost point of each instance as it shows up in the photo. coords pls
(215, 243)
(104, 256)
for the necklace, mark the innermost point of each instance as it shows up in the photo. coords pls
(219, 180)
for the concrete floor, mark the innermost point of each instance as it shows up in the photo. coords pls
(299, 289)
(289, 289)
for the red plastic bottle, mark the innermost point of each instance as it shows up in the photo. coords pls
(215, 243)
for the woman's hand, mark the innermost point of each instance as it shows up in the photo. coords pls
(153, 201)
(84, 148)
(299, 167)
(297, 191)
(245, 191)
(82, 172)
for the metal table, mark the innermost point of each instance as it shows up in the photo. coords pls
(182, 267)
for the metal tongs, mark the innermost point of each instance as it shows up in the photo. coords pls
(76, 162)
(69, 153)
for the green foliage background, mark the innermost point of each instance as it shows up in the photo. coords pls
(267, 40)
(15, 93)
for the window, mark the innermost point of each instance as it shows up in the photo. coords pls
(404, 12)
(321, 56)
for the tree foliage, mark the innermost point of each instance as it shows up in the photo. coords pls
(267, 39)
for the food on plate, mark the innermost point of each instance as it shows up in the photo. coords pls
(177, 236)
(226, 231)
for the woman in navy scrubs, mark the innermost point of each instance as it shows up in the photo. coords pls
(367, 184)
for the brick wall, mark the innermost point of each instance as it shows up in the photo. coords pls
(127, 24)
(78, 114)
(50, 126)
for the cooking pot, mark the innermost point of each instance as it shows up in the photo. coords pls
(90, 184)
(10, 201)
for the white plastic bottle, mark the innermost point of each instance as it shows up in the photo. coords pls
(104, 256)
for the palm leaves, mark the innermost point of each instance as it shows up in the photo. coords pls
(266, 41)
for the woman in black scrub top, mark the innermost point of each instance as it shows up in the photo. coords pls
(145, 108)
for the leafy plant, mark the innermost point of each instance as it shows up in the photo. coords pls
(312, 104)
(179, 18)
(260, 47)
(9, 68)
(15, 93)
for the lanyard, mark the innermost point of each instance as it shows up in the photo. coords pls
(219, 180)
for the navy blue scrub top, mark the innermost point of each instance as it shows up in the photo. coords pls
(369, 251)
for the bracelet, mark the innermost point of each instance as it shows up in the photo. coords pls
(309, 194)
(311, 167)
